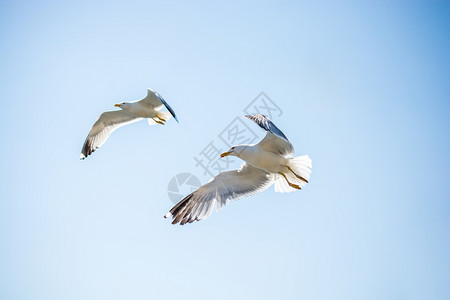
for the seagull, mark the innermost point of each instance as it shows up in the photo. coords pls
(130, 112)
(269, 162)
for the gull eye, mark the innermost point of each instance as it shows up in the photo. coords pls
(232, 147)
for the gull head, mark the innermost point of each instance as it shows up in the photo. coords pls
(234, 151)
(121, 105)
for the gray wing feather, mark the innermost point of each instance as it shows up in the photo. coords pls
(157, 102)
(229, 185)
(103, 128)
(275, 141)
(265, 123)
(172, 112)
(151, 100)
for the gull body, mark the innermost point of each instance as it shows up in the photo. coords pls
(148, 108)
(141, 110)
(258, 158)
(269, 162)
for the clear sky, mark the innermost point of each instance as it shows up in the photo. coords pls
(364, 90)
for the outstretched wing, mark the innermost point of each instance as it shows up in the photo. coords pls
(275, 141)
(226, 186)
(155, 101)
(102, 129)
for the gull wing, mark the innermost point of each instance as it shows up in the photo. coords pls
(155, 101)
(103, 128)
(275, 141)
(229, 185)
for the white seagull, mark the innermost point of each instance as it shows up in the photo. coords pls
(130, 112)
(269, 162)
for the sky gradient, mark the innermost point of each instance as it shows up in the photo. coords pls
(364, 89)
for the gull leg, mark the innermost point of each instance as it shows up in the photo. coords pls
(298, 176)
(159, 122)
(295, 186)
(161, 118)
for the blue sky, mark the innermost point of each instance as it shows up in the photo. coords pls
(364, 89)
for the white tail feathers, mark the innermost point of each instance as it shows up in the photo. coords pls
(165, 115)
(298, 167)
(151, 122)
(281, 185)
(302, 166)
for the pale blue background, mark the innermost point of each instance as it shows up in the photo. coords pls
(365, 90)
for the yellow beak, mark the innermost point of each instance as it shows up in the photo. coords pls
(117, 105)
(225, 154)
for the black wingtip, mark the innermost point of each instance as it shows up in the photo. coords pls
(172, 112)
(256, 115)
(266, 124)
(177, 214)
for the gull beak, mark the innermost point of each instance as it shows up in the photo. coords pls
(117, 105)
(225, 154)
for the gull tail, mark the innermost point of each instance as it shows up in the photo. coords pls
(165, 115)
(298, 172)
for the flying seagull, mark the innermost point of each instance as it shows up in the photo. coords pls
(149, 108)
(269, 162)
